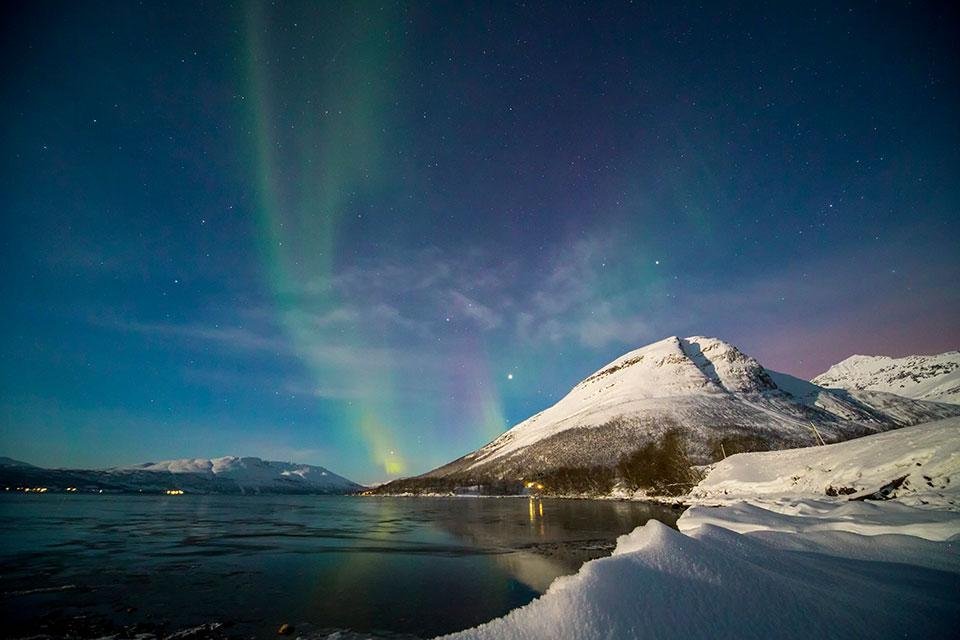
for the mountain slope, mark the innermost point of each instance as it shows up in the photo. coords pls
(10, 462)
(935, 378)
(917, 465)
(228, 474)
(718, 399)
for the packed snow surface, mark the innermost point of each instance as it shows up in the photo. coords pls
(788, 567)
(934, 378)
(923, 461)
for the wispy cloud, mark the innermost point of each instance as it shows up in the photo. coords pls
(578, 300)
(400, 319)
(606, 326)
(484, 316)
(234, 337)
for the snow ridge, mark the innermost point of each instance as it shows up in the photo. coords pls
(935, 377)
(918, 465)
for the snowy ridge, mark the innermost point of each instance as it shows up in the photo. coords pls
(923, 461)
(704, 388)
(934, 377)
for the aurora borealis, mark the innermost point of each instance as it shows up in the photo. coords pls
(372, 236)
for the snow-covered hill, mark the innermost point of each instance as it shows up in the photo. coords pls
(253, 473)
(716, 397)
(934, 378)
(917, 465)
(229, 474)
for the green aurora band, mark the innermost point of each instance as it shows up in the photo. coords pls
(314, 151)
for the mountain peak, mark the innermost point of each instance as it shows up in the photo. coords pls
(726, 366)
(683, 365)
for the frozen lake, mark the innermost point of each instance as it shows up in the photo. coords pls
(94, 565)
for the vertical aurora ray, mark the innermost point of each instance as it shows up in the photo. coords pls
(479, 407)
(318, 139)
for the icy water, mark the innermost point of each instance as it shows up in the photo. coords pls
(98, 565)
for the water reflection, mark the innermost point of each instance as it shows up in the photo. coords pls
(557, 537)
(406, 565)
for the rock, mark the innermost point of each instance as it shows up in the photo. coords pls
(885, 492)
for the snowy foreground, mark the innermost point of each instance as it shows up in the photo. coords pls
(796, 563)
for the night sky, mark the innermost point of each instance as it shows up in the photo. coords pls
(372, 236)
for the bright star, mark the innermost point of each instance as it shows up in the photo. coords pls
(509, 376)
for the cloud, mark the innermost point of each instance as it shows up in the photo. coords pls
(235, 337)
(350, 315)
(485, 317)
(579, 301)
(604, 326)
(384, 321)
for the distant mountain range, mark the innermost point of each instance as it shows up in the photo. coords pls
(934, 378)
(652, 413)
(229, 474)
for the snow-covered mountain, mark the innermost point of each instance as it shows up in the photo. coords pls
(934, 378)
(718, 399)
(253, 474)
(229, 474)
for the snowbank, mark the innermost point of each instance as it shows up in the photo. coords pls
(923, 462)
